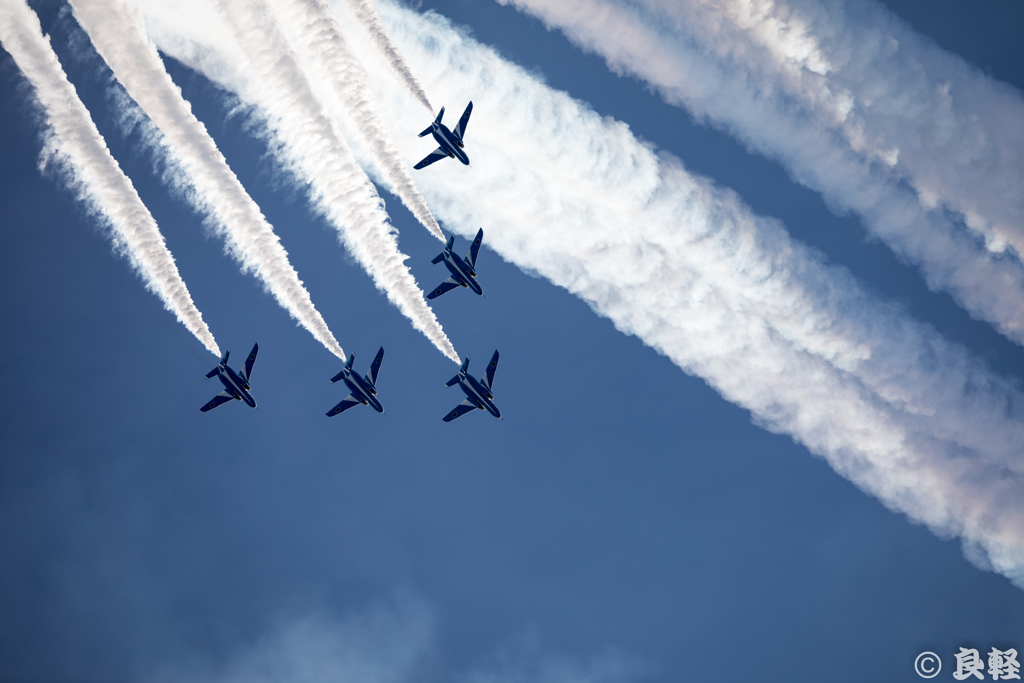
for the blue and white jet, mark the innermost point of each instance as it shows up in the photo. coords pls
(451, 141)
(463, 271)
(478, 392)
(236, 385)
(364, 390)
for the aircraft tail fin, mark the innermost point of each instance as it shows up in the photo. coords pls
(212, 373)
(429, 129)
(462, 371)
(447, 248)
(351, 359)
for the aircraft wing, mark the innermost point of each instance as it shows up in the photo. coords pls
(446, 286)
(459, 410)
(220, 399)
(375, 367)
(436, 155)
(460, 129)
(346, 403)
(492, 367)
(474, 249)
(249, 362)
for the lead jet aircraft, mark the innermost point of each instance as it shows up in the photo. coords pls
(451, 141)
(236, 385)
(478, 392)
(364, 390)
(463, 271)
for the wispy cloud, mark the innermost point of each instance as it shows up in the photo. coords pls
(117, 31)
(316, 36)
(75, 147)
(392, 641)
(851, 101)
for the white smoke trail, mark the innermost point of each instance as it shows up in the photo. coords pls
(76, 145)
(726, 295)
(850, 106)
(117, 31)
(370, 20)
(309, 142)
(317, 39)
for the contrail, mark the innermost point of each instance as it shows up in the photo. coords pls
(368, 17)
(850, 103)
(308, 141)
(117, 31)
(728, 296)
(76, 146)
(316, 36)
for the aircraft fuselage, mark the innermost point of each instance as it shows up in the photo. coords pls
(462, 272)
(361, 389)
(235, 385)
(478, 394)
(449, 142)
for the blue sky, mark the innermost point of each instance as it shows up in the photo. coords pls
(624, 522)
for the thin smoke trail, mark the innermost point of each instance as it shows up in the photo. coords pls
(368, 17)
(75, 145)
(317, 39)
(728, 296)
(849, 111)
(308, 140)
(117, 32)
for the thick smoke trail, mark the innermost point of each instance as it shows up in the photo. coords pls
(77, 146)
(368, 17)
(728, 296)
(850, 105)
(316, 36)
(118, 33)
(308, 139)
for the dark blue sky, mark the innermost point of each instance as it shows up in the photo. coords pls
(622, 506)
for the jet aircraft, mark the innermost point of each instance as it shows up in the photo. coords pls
(364, 390)
(463, 271)
(478, 392)
(236, 385)
(451, 141)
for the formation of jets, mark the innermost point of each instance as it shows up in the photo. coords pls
(363, 390)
